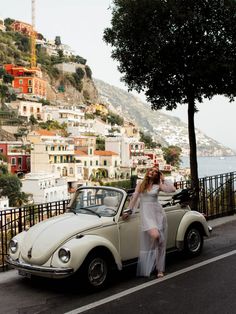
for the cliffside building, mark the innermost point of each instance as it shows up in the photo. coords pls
(2, 25)
(18, 156)
(45, 187)
(27, 81)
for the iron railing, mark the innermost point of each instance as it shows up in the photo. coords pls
(13, 221)
(216, 195)
(217, 198)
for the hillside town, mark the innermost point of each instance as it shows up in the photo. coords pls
(52, 163)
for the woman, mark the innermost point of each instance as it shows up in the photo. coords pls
(153, 223)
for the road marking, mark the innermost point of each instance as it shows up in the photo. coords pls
(148, 284)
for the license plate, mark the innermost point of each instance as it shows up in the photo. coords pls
(24, 273)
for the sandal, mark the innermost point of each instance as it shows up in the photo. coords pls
(160, 275)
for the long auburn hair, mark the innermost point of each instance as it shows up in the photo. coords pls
(147, 180)
(157, 178)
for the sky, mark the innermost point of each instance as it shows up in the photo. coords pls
(80, 24)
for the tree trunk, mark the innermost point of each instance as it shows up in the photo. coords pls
(193, 154)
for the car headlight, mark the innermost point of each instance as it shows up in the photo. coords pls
(13, 246)
(64, 255)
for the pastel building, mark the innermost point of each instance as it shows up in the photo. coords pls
(101, 128)
(45, 187)
(50, 113)
(27, 109)
(75, 120)
(2, 25)
(130, 150)
(18, 156)
(4, 203)
(27, 81)
(22, 27)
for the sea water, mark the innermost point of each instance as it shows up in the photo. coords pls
(210, 166)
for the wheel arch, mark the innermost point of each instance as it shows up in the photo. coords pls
(81, 247)
(99, 257)
(101, 250)
(190, 219)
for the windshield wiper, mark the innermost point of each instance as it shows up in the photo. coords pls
(72, 209)
(91, 211)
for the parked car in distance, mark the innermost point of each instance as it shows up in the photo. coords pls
(91, 238)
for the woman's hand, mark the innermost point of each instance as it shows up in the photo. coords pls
(126, 213)
(162, 178)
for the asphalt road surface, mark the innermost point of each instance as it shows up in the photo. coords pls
(205, 284)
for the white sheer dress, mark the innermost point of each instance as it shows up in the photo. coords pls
(152, 252)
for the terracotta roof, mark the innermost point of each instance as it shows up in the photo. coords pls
(80, 152)
(105, 153)
(44, 132)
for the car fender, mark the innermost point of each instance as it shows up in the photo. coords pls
(191, 217)
(80, 247)
(20, 238)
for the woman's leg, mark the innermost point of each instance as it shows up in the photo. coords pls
(147, 255)
(159, 245)
(154, 234)
(158, 242)
(160, 258)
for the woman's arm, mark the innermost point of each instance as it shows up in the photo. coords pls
(166, 186)
(132, 202)
(135, 196)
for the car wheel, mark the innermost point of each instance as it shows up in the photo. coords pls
(96, 271)
(193, 241)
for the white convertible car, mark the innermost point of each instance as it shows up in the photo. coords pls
(91, 238)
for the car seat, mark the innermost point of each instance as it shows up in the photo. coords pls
(111, 201)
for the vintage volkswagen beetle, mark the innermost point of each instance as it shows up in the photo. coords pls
(91, 238)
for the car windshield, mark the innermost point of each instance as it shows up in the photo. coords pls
(96, 201)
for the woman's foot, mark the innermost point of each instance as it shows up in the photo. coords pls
(160, 275)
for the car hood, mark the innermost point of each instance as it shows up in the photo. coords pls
(44, 238)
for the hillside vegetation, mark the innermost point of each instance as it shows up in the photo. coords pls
(15, 49)
(166, 130)
(80, 88)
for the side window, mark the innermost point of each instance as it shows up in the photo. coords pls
(136, 209)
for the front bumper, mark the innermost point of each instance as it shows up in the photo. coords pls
(42, 271)
(210, 229)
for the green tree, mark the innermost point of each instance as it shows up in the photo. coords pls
(60, 55)
(113, 119)
(23, 42)
(4, 92)
(10, 185)
(3, 157)
(2, 72)
(21, 132)
(80, 60)
(172, 155)
(33, 120)
(8, 21)
(3, 169)
(80, 73)
(100, 143)
(21, 199)
(88, 72)
(176, 52)
(147, 139)
(8, 78)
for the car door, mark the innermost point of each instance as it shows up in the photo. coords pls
(174, 216)
(129, 230)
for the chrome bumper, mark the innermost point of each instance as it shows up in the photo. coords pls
(210, 229)
(42, 271)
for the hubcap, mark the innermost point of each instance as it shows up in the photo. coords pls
(194, 240)
(97, 271)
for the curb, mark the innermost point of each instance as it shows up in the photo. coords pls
(221, 221)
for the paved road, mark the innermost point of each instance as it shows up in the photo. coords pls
(201, 285)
